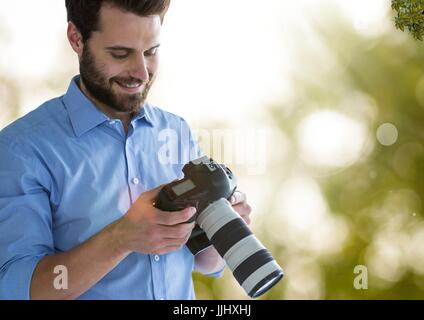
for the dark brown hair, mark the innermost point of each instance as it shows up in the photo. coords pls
(85, 13)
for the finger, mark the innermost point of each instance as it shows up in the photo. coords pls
(168, 245)
(166, 250)
(174, 218)
(243, 209)
(180, 231)
(180, 241)
(238, 197)
(247, 220)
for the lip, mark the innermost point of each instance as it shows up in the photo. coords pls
(130, 90)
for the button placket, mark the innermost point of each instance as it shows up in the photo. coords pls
(134, 180)
(158, 275)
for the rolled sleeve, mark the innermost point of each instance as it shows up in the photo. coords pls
(217, 274)
(25, 222)
(15, 280)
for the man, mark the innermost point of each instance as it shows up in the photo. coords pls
(76, 174)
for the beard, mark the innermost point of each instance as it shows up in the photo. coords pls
(100, 87)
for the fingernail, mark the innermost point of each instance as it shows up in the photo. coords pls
(192, 210)
(233, 199)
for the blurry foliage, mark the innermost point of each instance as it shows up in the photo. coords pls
(9, 90)
(410, 16)
(389, 72)
(381, 196)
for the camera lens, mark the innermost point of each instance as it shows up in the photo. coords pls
(250, 262)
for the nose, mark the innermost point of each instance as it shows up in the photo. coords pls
(140, 68)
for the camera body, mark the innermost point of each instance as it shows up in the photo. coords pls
(205, 181)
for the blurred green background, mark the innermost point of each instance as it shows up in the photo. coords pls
(317, 106)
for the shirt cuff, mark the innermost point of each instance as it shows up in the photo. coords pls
(15, 279)
(217, 274)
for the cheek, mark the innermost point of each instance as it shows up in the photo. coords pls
(153, 64)
(111, 70)
(116, 71)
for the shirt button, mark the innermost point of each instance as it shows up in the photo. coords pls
(136, 181)
(156, 257)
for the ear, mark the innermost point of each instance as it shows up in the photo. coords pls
(75, 38)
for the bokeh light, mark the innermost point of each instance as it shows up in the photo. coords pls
(328, 138)
(387, 134)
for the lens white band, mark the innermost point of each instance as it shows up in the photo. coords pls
(215, 216)
(259, 274)
(242, 250)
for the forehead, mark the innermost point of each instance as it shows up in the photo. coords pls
(127, 29)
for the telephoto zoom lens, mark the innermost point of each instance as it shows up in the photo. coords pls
(250, 262)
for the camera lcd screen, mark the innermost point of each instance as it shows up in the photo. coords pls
(183, 187)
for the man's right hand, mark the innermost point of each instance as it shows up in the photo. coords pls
(143, 229)
(148, 230)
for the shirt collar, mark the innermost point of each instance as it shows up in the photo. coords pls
(85, 116)
(146, 114)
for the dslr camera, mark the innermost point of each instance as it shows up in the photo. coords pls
(208, 186)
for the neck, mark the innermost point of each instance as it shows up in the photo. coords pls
(111, 113)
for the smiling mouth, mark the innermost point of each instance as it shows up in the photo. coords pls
(133, 85)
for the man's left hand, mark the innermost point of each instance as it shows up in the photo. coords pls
(240, 205)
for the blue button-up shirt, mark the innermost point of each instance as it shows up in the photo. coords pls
(67, 171)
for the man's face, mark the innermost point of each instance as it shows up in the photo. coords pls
(119, 63)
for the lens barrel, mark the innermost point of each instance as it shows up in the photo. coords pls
(250, 262)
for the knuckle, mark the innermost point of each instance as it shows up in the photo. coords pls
(238, 195)
(189, 227)
(180, 217)
(247, 208)
(181, 232)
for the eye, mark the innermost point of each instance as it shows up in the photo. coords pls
(151, 52)
(119, 56)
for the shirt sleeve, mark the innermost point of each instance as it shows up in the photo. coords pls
(25, 222)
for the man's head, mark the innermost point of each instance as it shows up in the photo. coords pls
(117, 43)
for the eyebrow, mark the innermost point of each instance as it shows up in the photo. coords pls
(121, 48)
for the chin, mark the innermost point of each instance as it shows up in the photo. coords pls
(130, 109)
